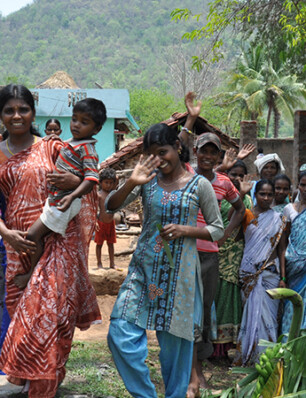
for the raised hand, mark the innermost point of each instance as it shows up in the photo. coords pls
(144, 170)
(245, 151)
(245, 184)
(193, 106)
(230, 158)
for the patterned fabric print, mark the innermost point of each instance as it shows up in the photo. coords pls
(59, 295)
(228, 298)
(155, 296)
(171, 206)
(280, 208)
(80, 159)
(231, 252)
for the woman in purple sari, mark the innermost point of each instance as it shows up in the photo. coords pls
(260, 270)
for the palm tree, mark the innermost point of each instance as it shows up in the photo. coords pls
(255, 86)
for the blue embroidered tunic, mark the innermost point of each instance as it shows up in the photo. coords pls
(154, 295)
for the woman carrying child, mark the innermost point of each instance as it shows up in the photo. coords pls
(59, 295)
(260, 269)
(159, 294)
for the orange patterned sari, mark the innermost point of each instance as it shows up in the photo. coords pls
(59, 295)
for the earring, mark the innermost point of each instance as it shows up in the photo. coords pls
(179, 151)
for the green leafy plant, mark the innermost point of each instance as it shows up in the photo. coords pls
(281, 370)
(280, 21)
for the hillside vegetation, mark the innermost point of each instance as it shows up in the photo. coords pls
(113, 42)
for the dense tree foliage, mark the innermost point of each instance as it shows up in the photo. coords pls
(256, 86)
(113, 42)
(152, 106)
(280, 25)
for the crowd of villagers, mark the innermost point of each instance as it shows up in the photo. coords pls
(212, 242)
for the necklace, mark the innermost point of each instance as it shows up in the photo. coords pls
(12, 153)
(174, 182)
(9, 148)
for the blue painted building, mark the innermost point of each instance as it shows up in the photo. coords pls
(58, 104)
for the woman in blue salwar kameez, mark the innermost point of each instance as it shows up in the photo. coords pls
(158, 294)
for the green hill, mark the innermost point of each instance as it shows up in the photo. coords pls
(113, 42)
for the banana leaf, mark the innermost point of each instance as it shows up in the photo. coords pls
(300, 394)
(289, 375)
(298, 308)
(248, 379)
(247, 390)
(294, 365)
(273, 386)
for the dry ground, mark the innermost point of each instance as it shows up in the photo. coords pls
(96, 333)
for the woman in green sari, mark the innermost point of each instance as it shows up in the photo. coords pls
(228, 299)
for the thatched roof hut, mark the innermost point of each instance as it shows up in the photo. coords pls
(59, 79)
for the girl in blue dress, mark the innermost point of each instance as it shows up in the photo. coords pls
(162, 292)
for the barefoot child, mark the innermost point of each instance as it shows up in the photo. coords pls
(105, 224)
(80, 158)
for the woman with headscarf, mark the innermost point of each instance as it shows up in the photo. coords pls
(268, 167)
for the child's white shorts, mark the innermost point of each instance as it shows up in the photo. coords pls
(56, 220)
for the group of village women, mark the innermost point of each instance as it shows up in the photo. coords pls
(163, 291)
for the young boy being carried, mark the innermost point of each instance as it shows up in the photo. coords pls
(79, 157)
(105, 224)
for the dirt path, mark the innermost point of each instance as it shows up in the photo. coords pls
(106, 302)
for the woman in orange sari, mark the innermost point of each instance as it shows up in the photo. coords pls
(58, 296)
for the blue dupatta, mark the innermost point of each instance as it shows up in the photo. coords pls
(296, 267)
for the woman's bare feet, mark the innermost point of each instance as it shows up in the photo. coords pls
(193, 390)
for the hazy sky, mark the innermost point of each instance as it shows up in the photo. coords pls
(8, 6)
